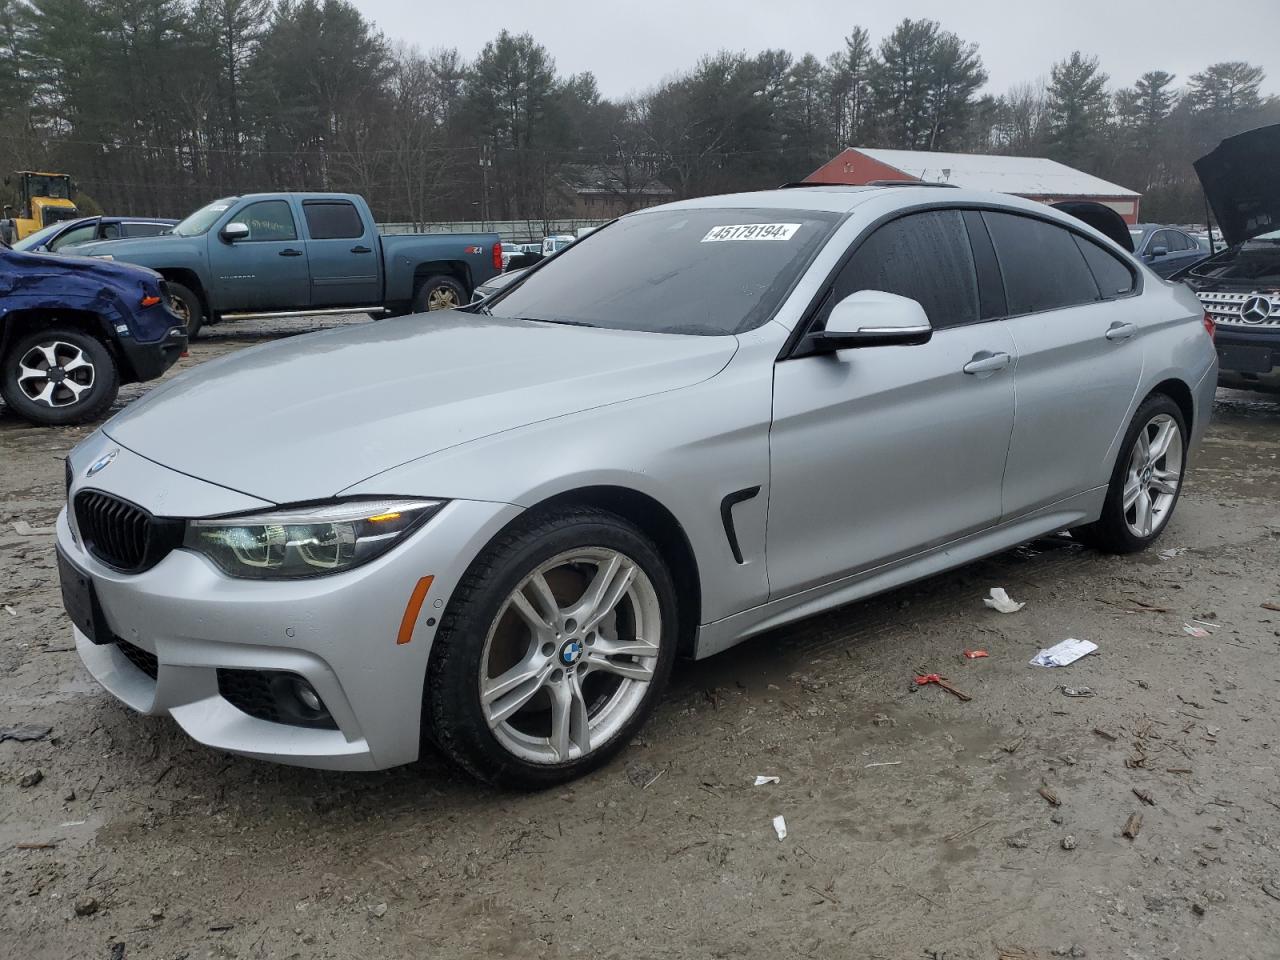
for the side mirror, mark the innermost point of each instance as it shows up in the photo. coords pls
(871, 318)
(235, 231)
(1158, 251)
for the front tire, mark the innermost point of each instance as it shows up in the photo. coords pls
(59, 376)
(439, 292)
(1146, 482)
(553, 651)
(188, 308)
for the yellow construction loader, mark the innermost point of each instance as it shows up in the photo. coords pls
(43, 198)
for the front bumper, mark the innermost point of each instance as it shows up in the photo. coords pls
(147, 361)
(1248, 359)
(338, 633)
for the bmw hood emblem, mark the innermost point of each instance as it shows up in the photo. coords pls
(101, 463)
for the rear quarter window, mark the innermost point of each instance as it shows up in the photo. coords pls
(1043, 268)
(1114, 277)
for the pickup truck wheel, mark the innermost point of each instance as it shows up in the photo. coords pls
(59, 376)
(187, 306)
(440, 292)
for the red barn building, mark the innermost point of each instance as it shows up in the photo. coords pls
(1035, 178)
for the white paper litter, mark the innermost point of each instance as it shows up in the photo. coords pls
(761, 781)
(1064, 653)
(780, 827)
(883, 763)
(999, 600)
(10, 611)
(1171, 553)
(24, 529)
(1191, 631)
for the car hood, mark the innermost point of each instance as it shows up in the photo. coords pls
(127, 249)
(34, 266)
(1240, 182)
(305, 418)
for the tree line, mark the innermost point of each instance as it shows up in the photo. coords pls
(156, 106)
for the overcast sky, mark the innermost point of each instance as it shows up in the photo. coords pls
(631, 44)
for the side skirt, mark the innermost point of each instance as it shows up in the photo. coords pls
(722, 634)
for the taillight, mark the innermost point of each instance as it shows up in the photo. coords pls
(497, 257)
(1209, 326)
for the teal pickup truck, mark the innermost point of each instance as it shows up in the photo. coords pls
(282, 254)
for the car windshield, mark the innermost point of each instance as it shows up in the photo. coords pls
(709, 272)
(204, 218)
(40, 237)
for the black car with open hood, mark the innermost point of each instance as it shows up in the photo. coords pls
(1240, 286)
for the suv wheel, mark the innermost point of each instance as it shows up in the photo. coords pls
(553, 650)
(59, 376)
(1146, 482)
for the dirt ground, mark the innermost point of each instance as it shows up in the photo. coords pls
(917, 826)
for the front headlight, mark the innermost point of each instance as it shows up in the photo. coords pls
(306, 541)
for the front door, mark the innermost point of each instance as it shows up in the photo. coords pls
(342, 251)
(266, 271)
(881, 452)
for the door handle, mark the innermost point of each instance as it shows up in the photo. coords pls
(361, 249)
(290, 252)
(984, 361)
(1120, 331)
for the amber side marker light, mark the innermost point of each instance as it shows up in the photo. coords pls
(150, 301)
(412, 609)
(383, 518)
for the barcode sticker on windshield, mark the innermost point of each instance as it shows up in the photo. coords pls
(751, 231)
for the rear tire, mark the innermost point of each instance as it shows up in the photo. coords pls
(439, 292)
(1144, 489)
(524, 705)
(59, 376)
(188, 307)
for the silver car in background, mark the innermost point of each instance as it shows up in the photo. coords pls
(495, 529)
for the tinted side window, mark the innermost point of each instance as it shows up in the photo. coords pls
(332, 220)
(1181, 242)
(268, 220)
(1042, 266)
(1113, 276)
(924, 256)
(1161, 238)
(145, 229)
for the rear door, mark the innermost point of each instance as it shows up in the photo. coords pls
(343, 254)
(268, 270)
(1080, 355)
(881, 452)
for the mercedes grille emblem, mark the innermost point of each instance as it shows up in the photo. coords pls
(1256, 310)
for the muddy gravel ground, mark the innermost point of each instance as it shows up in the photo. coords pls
(918, 825)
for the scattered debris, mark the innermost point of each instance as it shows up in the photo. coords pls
(1172, 552)
(24, 529)
(780, 827)
(1068, 842)
(86, 906)
(35, 846)
(25, 732)
(1132, 826)
(1271, 605)
(1063, 654)
(69, 796)
(1177, 770)
(1144, 796)
(10, 611)
(1075, 950)
(883, 763)
(1106, 734)
(31, 778)
(1050, 796)
(968, 831)
(379, 911)
(761, 781)
(1197, 908)
(1197, 632)
(1078, 692)
(999, 600)
(925, 679)
(117, 950)
(975, 654)
(157, 913)
(883, 720)
(1013, 746)
(1019, 841)
(221, 927)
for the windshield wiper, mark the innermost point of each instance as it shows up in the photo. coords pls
(565, 323)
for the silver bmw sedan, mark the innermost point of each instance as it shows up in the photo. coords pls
(495, 529)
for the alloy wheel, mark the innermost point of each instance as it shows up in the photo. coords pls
(55, 374)
(1153, 476)
(442, 298)
(570, 655)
